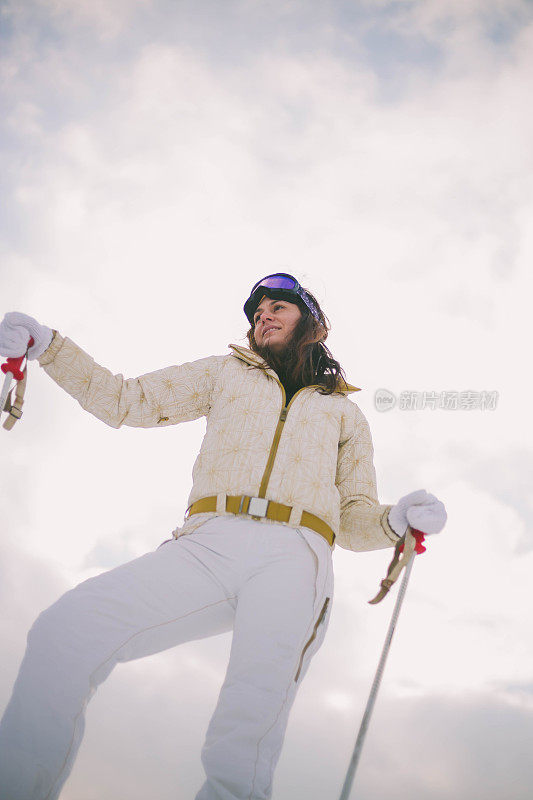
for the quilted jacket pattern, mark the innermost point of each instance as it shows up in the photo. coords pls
(324, 459)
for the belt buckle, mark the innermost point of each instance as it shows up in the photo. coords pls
(258, 506)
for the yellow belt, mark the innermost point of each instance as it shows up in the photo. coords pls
(258, 507)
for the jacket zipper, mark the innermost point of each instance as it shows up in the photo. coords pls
(312, 639)
(277, 435)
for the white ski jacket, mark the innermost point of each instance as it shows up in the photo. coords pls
(314, 456)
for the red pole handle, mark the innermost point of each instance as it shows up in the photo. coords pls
(13, 365)
(419, 538)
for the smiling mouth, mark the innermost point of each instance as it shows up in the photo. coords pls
(269, 330)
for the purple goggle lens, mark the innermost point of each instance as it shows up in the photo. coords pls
(277, 282)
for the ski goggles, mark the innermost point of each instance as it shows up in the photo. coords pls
(280, 285)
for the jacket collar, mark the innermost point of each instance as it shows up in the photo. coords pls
(255, 360)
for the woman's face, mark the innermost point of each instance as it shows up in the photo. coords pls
(274, 323)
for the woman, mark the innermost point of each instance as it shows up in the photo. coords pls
(284, 472)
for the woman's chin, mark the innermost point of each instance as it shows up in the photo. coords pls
(276, 346)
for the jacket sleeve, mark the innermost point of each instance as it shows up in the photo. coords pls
(364, 521)
(165, 397)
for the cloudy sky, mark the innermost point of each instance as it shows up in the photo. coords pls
(159, 157)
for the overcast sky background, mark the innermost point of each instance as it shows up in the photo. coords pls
(157, 159)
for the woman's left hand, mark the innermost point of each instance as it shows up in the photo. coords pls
(421, 510)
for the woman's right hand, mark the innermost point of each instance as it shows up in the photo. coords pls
(15, 332)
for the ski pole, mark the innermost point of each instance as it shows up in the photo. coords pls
(12, 370)
(410, 538)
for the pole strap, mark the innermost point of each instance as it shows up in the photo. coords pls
(403, 551)
(14, 409)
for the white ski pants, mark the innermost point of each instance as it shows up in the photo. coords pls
(271, 583)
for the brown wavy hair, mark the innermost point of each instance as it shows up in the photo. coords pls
(306, 361)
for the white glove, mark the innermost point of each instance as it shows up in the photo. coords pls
(420, 510)
(15, 332)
